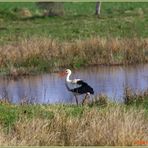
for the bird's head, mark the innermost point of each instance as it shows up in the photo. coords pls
(65, 72)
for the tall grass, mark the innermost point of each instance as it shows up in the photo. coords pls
(112, 125)
(45, 54)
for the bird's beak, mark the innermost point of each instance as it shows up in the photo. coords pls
(62, 74)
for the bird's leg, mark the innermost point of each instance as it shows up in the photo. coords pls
(85, 98)
(76, 99)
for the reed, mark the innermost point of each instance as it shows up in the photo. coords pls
(131, 97)
(45, 54)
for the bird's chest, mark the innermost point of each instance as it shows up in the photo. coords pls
(73, 85)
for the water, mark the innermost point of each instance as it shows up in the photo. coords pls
(50, 88)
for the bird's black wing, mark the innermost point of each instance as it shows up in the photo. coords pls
(84, 88)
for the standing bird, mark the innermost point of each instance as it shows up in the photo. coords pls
(77, 86)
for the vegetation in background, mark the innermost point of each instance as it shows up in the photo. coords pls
(32, 42)
(78, 22)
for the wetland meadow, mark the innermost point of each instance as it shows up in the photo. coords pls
(109, 51)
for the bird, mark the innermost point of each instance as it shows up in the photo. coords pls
(77, 86)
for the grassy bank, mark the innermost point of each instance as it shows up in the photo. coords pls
(100, 123)
(34, 43)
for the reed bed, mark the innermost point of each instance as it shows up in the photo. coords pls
(45, 54)
(113, 125)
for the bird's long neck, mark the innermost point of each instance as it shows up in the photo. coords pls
(67, 78)
(67, 81)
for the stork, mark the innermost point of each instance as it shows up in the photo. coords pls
(77, 86)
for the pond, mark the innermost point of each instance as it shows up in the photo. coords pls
(50, 88)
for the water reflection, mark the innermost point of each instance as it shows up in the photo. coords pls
(50, 88)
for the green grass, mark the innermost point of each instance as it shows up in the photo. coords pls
(79, 22)
(10, 113)
(142, 103)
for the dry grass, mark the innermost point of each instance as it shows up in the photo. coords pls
(111, 125)
(45, 54)
(2, 137)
